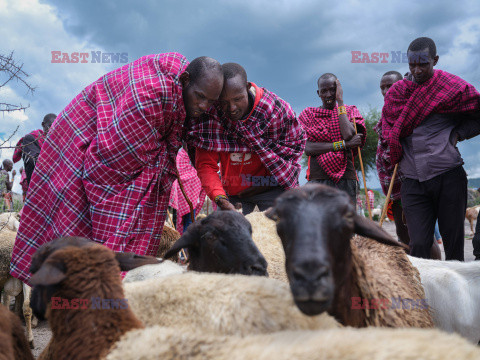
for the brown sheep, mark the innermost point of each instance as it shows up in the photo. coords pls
(471, 215)
(328, 271)
(75, 268)
(169, 237)
(13, 343)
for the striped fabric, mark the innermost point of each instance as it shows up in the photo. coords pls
(272, 131)
(193, 188)
(407, 104)
(322, 125)
(106, 169)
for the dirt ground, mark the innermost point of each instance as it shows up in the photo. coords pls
(42, 332)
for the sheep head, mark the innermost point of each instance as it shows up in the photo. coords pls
(315, 224)
(91, 265)
(221, 243)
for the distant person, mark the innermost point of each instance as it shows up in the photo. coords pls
(6, 185)
(476, 237)
(331, 138)
(23, 183)
(423, 118)
(28, 148)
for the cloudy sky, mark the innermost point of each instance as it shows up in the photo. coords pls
(283, 44)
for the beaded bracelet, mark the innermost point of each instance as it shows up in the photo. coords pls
(339, 145)
(342, 110)
(218, 197)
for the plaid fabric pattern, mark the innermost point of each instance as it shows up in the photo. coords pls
(385, 167)
(193, 188)
(17, 154)
(322, 125)
(407, 104)
(371, 199)
(272, 131)
(106, 169)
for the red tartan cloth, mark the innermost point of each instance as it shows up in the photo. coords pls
(322, 125)
(193, 188)
(17, 154)
(106, 169)
(407, 104)
(385, 168)
(271, 131)
(371, 199)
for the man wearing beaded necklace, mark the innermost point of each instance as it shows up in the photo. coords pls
(331, 136)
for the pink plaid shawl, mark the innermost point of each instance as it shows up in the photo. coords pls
(407, 104)
(192, 186)
(106, 169)
(272, 131)
(322, 125)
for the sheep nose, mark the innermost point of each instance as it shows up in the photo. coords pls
(310, 273)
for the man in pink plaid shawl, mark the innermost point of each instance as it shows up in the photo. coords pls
(256, 138)
(107, 166)
(331, 138)
(193, 189)
(423, 117)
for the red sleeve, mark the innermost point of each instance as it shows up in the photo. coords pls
(206, 163)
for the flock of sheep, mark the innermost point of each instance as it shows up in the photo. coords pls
(318, 255)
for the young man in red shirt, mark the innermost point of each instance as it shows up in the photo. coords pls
(253, 138)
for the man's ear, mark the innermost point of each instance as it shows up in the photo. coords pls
(185, 78)
(318, 93)
(435, 60)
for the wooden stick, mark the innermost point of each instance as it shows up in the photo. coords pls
(363, 174)
(390, 187)
(171, 220)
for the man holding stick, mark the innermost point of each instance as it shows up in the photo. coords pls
(331, 137)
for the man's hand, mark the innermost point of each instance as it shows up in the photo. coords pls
(354, 142)
(339, 94)
(224, 204)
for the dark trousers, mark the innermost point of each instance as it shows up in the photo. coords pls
(401, 228)
(347, 185)
(263, 200)
(476, 239)
(443, 197)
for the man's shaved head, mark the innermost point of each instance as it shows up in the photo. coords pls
(326, 76)
(394, 73)
(201, 66)
(7, 164)
(230, 70)
(423, 43)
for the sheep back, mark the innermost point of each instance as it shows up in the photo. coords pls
(342, 344)
(384, 272)
(220, 304)
(268, 242)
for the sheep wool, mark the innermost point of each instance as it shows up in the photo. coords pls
(169, 237)
(268, 242)
(342, 344)
(384, 272)
(220, 304)
(13, 343)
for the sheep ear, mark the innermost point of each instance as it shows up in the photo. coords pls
(188, 240)
(130, 261)
(366, 227)
(50, 273)
(271, 213)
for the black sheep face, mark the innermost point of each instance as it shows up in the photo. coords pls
(315, 224)
(222, 243)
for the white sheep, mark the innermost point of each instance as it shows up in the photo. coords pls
(342, 344)
(9, 220)
(452, 291)
(265, 236)
(220, 304)
(153, 271)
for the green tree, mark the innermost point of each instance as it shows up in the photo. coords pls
(369, 151)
